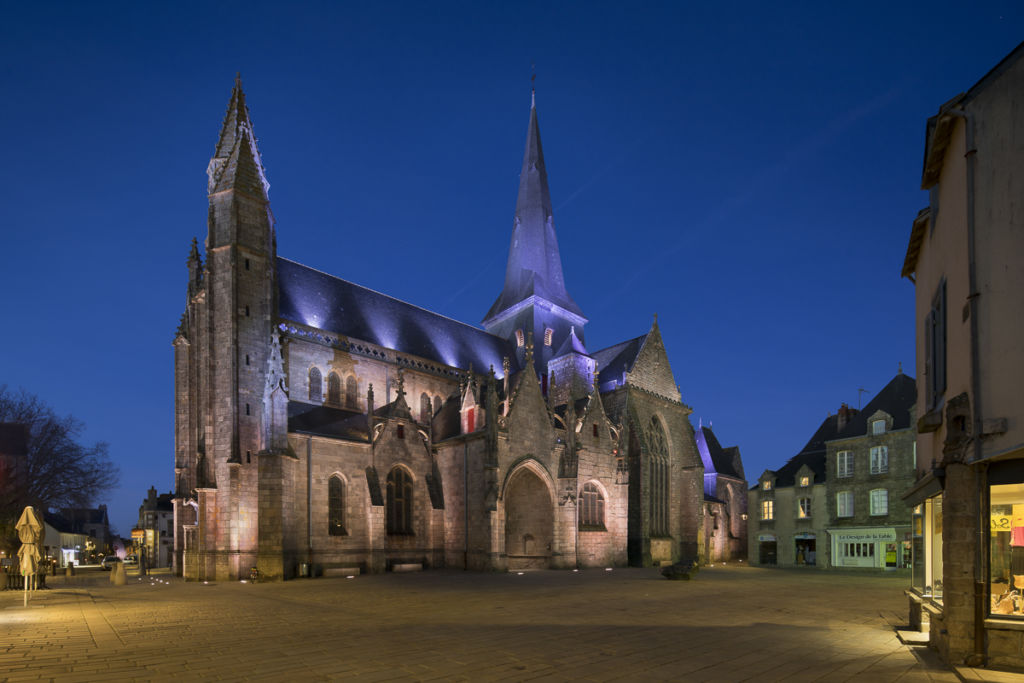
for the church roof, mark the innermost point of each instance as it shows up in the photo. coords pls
(534, 262)
(572, 344)
(716, 458)
(326, 421)
(616, 360)
(328, 303)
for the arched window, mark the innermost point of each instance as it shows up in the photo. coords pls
(437, 404)
(336, 506)
(591, 507)
(316, 385)
(658, 494)
(424, 409)
(334, 389)
(351, 393)
(399, 502)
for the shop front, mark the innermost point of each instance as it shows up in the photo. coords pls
(886, 548)
(804, 549)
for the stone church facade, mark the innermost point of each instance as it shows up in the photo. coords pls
(322, 425)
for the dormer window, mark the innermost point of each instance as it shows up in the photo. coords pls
(766, 485)
(878, 426)
(548, 333)
(520, 340)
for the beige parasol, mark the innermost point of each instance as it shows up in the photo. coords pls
(30, 533)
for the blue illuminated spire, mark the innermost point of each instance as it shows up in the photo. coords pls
(236, 162)
(534, 263)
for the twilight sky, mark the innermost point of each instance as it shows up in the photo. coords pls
(747, 171)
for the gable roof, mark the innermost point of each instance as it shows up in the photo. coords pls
(311, 297)
(896, 399)
(614, 361)
(716, 458)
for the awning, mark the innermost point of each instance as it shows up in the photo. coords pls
(928, 486)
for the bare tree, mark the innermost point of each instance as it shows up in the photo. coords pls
(56, 471)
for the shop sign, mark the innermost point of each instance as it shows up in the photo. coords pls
(138, 534)
(864, 535)
(1002, 523)
(804, 536)
(766, 537)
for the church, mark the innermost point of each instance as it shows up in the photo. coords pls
(321, 425)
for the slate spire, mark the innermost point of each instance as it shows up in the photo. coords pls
(534, 262)
(236, 162)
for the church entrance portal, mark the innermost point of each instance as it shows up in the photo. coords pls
(529, 521)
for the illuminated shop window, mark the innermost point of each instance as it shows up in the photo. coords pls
(1006, 549)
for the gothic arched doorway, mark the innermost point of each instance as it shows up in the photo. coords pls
(529, 521)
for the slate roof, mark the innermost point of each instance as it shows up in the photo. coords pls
(326, 421)
(896, 399)
(615, 360)
(534, 262)
(328, 303)
(716, 458)
(572, 344)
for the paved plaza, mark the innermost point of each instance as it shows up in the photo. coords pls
(734, 623)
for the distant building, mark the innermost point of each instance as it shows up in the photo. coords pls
(64, 545)
(91, 522)
(725, 499)
(836, 503)
(870, 465)
(964, 258)
(156, 522)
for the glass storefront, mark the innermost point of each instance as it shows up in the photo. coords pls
(1006, 549)
(926, 548)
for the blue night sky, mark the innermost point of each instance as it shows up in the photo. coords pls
(748, 173)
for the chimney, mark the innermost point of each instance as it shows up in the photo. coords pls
(843, 416)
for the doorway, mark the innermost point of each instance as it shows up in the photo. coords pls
(529, 521)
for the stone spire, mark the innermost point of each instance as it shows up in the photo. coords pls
(236, 162)
(534, 262)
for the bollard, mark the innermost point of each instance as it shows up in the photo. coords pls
(119, 575)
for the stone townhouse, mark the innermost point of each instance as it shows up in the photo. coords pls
(154, 533)
(837, 503)
(321, 425)
(870, 464)
(963, 257)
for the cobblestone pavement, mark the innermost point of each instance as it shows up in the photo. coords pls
(733, 623)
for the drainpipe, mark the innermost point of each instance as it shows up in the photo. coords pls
(981, 560)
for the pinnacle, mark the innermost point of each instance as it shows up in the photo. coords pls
(236, 161)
